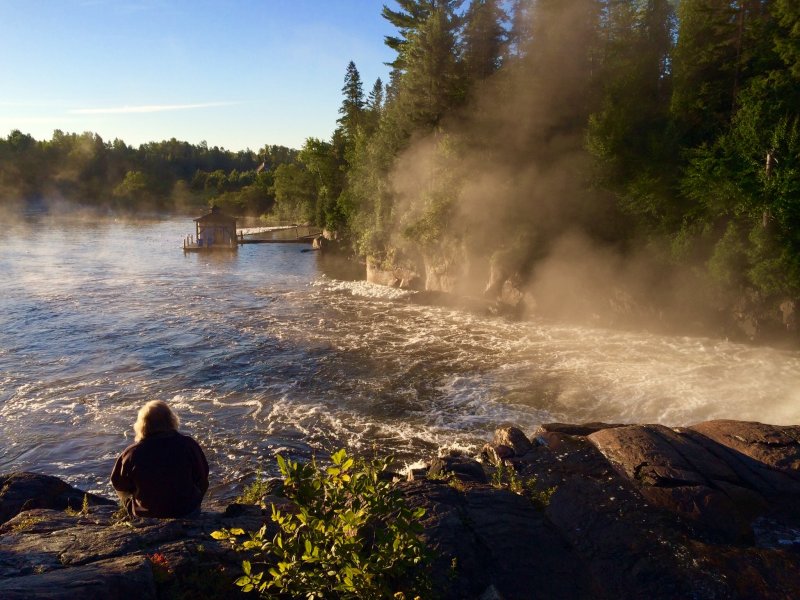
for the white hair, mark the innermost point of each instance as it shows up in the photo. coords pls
(154, 417)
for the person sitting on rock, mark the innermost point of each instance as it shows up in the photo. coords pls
(165, 473)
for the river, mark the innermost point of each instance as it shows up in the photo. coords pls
(264, 350)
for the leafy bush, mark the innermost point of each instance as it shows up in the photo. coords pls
(351, 536)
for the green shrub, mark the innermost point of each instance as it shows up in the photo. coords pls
(506, 477)
(255, 492)
(351, 536)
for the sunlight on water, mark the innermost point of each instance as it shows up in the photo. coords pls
(260, 351)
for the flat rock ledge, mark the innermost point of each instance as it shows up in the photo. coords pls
(710, 511)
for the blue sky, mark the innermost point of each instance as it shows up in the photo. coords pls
(236, 73)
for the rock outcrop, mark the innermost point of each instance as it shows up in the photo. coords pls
(26, 491)
(710, 511)
(396, 277)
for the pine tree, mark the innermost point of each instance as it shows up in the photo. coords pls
(484, 39)
(431, 84)
(520, 30)
(409, 19)
(373, 108)
(717, 48)
(375, 98)
(352, 107)
(745, 182)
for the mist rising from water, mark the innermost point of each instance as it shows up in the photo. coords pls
(515, 166)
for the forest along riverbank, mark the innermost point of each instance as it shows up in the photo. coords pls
(573, 511)
(263, 352)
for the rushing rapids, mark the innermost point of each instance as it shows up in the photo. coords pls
(262, 350)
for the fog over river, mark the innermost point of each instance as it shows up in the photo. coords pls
(261, 350)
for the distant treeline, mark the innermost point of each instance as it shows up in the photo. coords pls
(160, 176)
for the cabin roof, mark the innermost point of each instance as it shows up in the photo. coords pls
(216, 216)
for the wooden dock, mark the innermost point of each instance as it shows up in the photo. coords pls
(284, 234)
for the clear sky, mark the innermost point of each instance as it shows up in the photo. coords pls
(235, 73)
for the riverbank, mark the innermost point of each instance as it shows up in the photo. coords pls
(707, 511)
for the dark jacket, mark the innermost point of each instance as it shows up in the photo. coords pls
(164, 475)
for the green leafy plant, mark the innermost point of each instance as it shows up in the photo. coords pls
(506, 477)
(255, 492)
(449, 478)
(350, 535)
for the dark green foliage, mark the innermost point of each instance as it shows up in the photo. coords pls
(351, 536)
(632, 140)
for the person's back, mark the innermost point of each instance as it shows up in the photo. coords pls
(165, 473)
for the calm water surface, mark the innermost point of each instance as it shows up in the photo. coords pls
(262, 351)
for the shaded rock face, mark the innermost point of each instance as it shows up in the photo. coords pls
(122, 577)
(491, 543)
(777, 447)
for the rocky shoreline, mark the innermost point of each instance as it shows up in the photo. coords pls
(706, 511)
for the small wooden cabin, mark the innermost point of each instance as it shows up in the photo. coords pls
(213, 231)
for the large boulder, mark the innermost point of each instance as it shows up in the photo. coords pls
(24, 491)
(636, 543)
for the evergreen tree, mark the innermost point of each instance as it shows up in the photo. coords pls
(431, 84)
(352, 107)
(375, 98)
(409, 19)
(484, 39)
(746, 182)
(520, 31)
(374, 107)
(717, 48)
